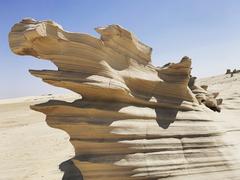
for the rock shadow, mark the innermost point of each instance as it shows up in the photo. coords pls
(167, 116)
(71, 172)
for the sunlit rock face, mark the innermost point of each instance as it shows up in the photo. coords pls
(134, 120)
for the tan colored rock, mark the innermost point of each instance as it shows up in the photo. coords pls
(205, 97)
(120, 129)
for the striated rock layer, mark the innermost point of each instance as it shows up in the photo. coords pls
(134, 121)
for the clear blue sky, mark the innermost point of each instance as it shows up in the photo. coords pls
(208, 31)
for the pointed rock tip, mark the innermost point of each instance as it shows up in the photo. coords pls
(28, 20)
(186, 61)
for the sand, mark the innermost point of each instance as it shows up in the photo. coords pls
(29, 149)
(229, 89)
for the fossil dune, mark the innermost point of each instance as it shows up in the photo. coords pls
(133, 120)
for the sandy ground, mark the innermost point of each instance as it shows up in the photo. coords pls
(29, 149)
(229, 89)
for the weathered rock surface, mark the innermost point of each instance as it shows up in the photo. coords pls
(134, 121)
(235, 71)
(205, 97)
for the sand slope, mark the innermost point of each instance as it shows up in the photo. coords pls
(229, 88)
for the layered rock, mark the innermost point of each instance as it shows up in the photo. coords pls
(235, 71)
(204, 97)
(134, 121)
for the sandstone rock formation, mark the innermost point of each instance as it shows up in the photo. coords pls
(228, 71)
(134, 121)
(204, 97)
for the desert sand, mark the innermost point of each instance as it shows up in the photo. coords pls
(229, 89)
(29, 149)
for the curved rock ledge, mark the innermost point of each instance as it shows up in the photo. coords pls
(134, 121)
